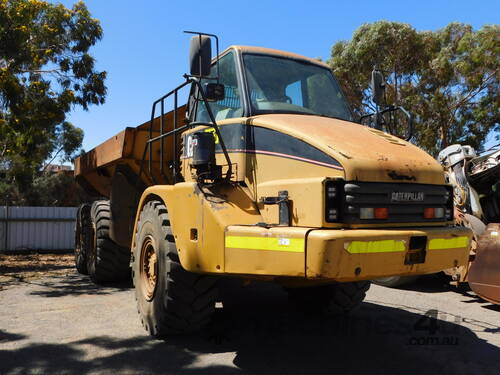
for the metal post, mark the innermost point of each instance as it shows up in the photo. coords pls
(150, 161)
(161, 133)
(174, 152)
(6, 243)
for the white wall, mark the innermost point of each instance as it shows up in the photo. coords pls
(37, 228)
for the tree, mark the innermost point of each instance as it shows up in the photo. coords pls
(449, 78)
(45, 70)
(57, 189)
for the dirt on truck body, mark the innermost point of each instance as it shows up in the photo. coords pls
(263, 174)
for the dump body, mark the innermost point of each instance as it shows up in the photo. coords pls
(94, 169)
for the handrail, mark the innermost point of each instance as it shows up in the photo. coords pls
(148, 146)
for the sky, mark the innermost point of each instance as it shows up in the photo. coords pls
(145, 51)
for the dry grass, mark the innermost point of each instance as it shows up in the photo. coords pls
(26, 267)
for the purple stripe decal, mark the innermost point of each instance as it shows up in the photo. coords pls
(287, 156)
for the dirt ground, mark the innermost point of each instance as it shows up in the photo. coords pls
(55, 321)
(18, 268)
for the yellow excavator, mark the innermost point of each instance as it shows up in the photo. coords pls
(264, 174)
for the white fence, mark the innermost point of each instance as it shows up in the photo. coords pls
(37, 228)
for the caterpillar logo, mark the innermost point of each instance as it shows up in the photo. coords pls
(407, 196)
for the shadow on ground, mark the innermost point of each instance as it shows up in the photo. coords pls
(6, 337)
(440, 283)
(75, 284)
(492, 307)
(262, 334)
(13, 269)
(434, 283)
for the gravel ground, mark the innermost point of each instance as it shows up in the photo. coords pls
(60, 323)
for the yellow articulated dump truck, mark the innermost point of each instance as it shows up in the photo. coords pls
(263, 175)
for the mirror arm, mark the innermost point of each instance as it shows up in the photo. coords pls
(408, 114)
(410, 122)
(361, 118)
(379, 120)
(391, 108)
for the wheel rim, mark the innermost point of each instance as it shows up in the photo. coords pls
(148, 268)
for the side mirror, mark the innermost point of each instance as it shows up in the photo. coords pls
(377, 85)
(200, 55)
(214, 92)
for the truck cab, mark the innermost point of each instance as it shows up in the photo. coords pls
(290, 132)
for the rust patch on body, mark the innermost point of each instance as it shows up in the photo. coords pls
(400, 177)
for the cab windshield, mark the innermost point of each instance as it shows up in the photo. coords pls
(280, 85)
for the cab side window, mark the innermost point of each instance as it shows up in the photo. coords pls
(231, 105)
(293, 93)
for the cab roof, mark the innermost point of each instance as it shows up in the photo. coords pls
(275, 52)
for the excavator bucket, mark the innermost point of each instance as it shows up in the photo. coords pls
(484, 273)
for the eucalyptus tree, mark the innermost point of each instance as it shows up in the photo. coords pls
(45, 71)
(448, 78)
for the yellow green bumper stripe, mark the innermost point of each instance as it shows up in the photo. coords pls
(384, 246)
(295, 245)
(448, 243)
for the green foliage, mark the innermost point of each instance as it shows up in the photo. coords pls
(57, 189)
(448, 78)
(45, 70)
(47, 189)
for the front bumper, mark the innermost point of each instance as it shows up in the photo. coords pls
(343, 255)
(366, 254)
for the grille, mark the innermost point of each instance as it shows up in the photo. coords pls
(405, 202)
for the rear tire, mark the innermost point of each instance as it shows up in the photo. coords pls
(170, 300)
(341, 298)
(106, 261)
(83, 236)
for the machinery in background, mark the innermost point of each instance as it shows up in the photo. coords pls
(476, 182)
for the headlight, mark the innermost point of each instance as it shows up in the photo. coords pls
(334, 190)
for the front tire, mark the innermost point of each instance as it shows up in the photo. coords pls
(332, 299)
(170, 300)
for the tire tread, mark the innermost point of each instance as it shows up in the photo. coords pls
(189, 298)
(112, 262)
